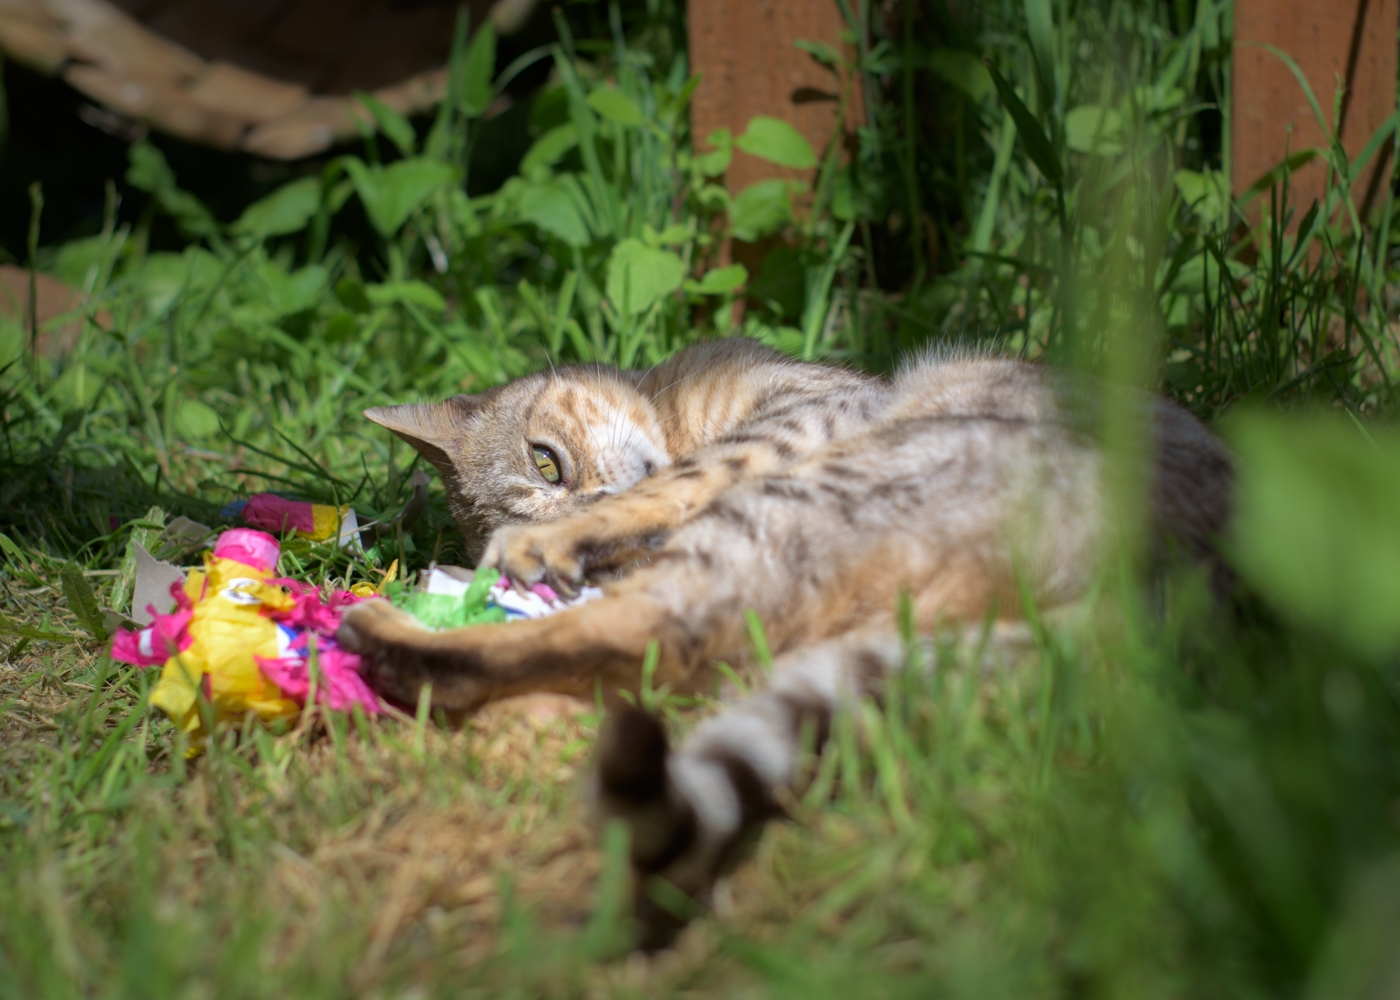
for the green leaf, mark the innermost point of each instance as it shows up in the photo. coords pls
(352, 295)
(1040, 26)
(414, 292)
(76, 388)
(286, 210)
(554, 207)
(760, 209)
(823, 52)
(639, 275)
(549, 148)
(1206, 193)
(81, 601)
(8, 627)
(391, 194)
(615, 106)
(1316, 524)
(298, 291)
(394, 125)
(776, 141)
(477, 71)
(1092, 129)
(721, 154)
(720, 281)
(964, 71)
(196, 421)
(673, 235)
(149, 172)
(1041, 152)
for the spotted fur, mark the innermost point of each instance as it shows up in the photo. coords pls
(812, 495)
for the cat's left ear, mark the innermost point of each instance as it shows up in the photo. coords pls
(432, 427)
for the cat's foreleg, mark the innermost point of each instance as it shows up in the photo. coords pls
(599, 644)
(693, 812)
(620, 530)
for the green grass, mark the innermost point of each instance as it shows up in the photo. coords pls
(1159, 798)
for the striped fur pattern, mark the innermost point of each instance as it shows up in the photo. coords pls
(812, 495)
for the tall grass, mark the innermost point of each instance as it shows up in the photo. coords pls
(1163, 796)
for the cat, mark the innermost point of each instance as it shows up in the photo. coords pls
(732, 478)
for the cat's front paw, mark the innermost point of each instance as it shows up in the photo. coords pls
(529, 554)
(391, 646)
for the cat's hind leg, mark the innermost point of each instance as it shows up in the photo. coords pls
(694, 812)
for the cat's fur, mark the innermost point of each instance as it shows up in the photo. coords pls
(732, 478)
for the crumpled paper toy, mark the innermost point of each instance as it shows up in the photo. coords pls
(322, 522)
(451, 597)
(250, 641)
(316, 521)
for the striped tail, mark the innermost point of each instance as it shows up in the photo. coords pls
(694, 814)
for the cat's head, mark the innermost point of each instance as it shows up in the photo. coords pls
(535, 449)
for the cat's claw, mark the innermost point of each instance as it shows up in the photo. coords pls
(528, 554)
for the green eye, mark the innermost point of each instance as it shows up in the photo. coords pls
(546, 462)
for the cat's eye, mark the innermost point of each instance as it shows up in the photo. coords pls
(547, 462)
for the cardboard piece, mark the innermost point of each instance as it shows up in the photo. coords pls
(153, 580)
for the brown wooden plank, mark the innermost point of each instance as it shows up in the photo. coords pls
(1348, 41)
(749, 66)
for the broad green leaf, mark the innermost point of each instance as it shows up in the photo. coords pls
(776, 141)
(720, 280)
(548, 148)
(672, 235)
(391, 194)
(394, 125)
(615, 106)
(478, 69)
(414, 292)
(286, 210)
(1092, 129)
(1041, 152)
(553, 207)
(964, 71)
(639, 275)
(77, 386)
(74, 260)
(166, 276)
(760, 209)
(196, 421)
(302, 289)
(1315, 523)
(1206, 193)
(352, 295)
(716, 162)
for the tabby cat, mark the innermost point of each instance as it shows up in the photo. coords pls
(733, 478)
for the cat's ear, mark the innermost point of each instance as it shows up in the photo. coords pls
(432, 427)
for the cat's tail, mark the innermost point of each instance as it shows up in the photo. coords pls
(693, 814)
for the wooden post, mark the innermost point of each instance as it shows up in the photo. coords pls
(749, 65)
(1351, 43)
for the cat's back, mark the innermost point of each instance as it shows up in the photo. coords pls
(962, 383)
(712, 388)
